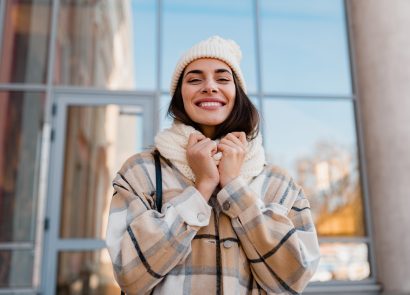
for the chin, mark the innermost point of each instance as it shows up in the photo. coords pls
(213, 123)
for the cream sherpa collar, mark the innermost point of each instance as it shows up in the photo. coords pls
(172, 144)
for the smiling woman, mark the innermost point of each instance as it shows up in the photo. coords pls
(208, 91)
(227, 220)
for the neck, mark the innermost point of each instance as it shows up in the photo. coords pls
(208, 131)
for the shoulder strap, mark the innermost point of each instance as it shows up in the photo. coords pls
(158, 179)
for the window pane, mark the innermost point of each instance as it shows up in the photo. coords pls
(165, 121)
(304, 47)
(16, 268)
(188, 22)
(315, 140)
(86, 273)
(106, 44)
(21, 123)
(25, 41)
(343, 262)
(144, 28)
(98, 140)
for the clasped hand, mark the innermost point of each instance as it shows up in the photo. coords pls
(208, 174)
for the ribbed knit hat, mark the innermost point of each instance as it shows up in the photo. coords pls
(214, 47)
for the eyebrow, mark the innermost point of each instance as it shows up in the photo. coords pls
(217, 71)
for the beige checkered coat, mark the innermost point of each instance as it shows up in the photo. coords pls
(251, 238)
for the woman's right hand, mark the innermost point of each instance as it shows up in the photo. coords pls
(200, 150)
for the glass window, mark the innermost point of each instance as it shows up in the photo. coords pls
(98, 139)
(21, 123)
(304, 47)
(188, 22)
(165, 120)
(315, 140)
(25, 41)
(106, 44)
(88, 272)
(343, 262)
(16, 269)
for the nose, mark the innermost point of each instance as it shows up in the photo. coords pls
(209, 87)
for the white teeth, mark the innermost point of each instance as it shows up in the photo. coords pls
(210, 104)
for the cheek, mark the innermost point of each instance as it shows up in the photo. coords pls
(187, 94)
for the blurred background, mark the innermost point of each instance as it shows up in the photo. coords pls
(84, 85)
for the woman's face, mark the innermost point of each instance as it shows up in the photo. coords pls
(208, 93)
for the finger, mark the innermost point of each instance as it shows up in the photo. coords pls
(210, 146)
(228, 142)
(227, 148)
(235, 145)
(194, 138)
(241, 136)
(234, 139)
(197, 147)
(205, 148)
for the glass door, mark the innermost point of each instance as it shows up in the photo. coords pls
(93, 135)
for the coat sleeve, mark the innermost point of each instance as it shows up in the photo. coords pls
(144, 245)
(279, 240)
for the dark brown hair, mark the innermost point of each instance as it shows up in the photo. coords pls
(243, 117)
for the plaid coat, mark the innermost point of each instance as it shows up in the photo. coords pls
(250, 238)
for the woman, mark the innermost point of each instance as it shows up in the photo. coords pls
(230, 223)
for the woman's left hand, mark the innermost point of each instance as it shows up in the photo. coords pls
(233, 148)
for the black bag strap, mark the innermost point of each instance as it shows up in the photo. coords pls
(158, 183)
(158, 180)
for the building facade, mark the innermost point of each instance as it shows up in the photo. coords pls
(84, 85)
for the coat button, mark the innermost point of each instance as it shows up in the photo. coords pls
(228, 244)
(226, 205)
(201, 217)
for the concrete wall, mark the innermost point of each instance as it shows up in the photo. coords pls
(380, 34)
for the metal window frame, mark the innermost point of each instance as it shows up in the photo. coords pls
(52, 91)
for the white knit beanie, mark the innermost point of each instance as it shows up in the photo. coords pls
(214, 47)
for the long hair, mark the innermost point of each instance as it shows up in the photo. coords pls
(243, 117)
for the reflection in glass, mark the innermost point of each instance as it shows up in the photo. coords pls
(315, 141)
(88, 273)
(21, 123)
(304, 47)
(343, 262)
(16, 268)
(201, 19)
(98, 140)
(25, 41)
(106, 44)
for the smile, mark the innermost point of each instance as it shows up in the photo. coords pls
(210, 104)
